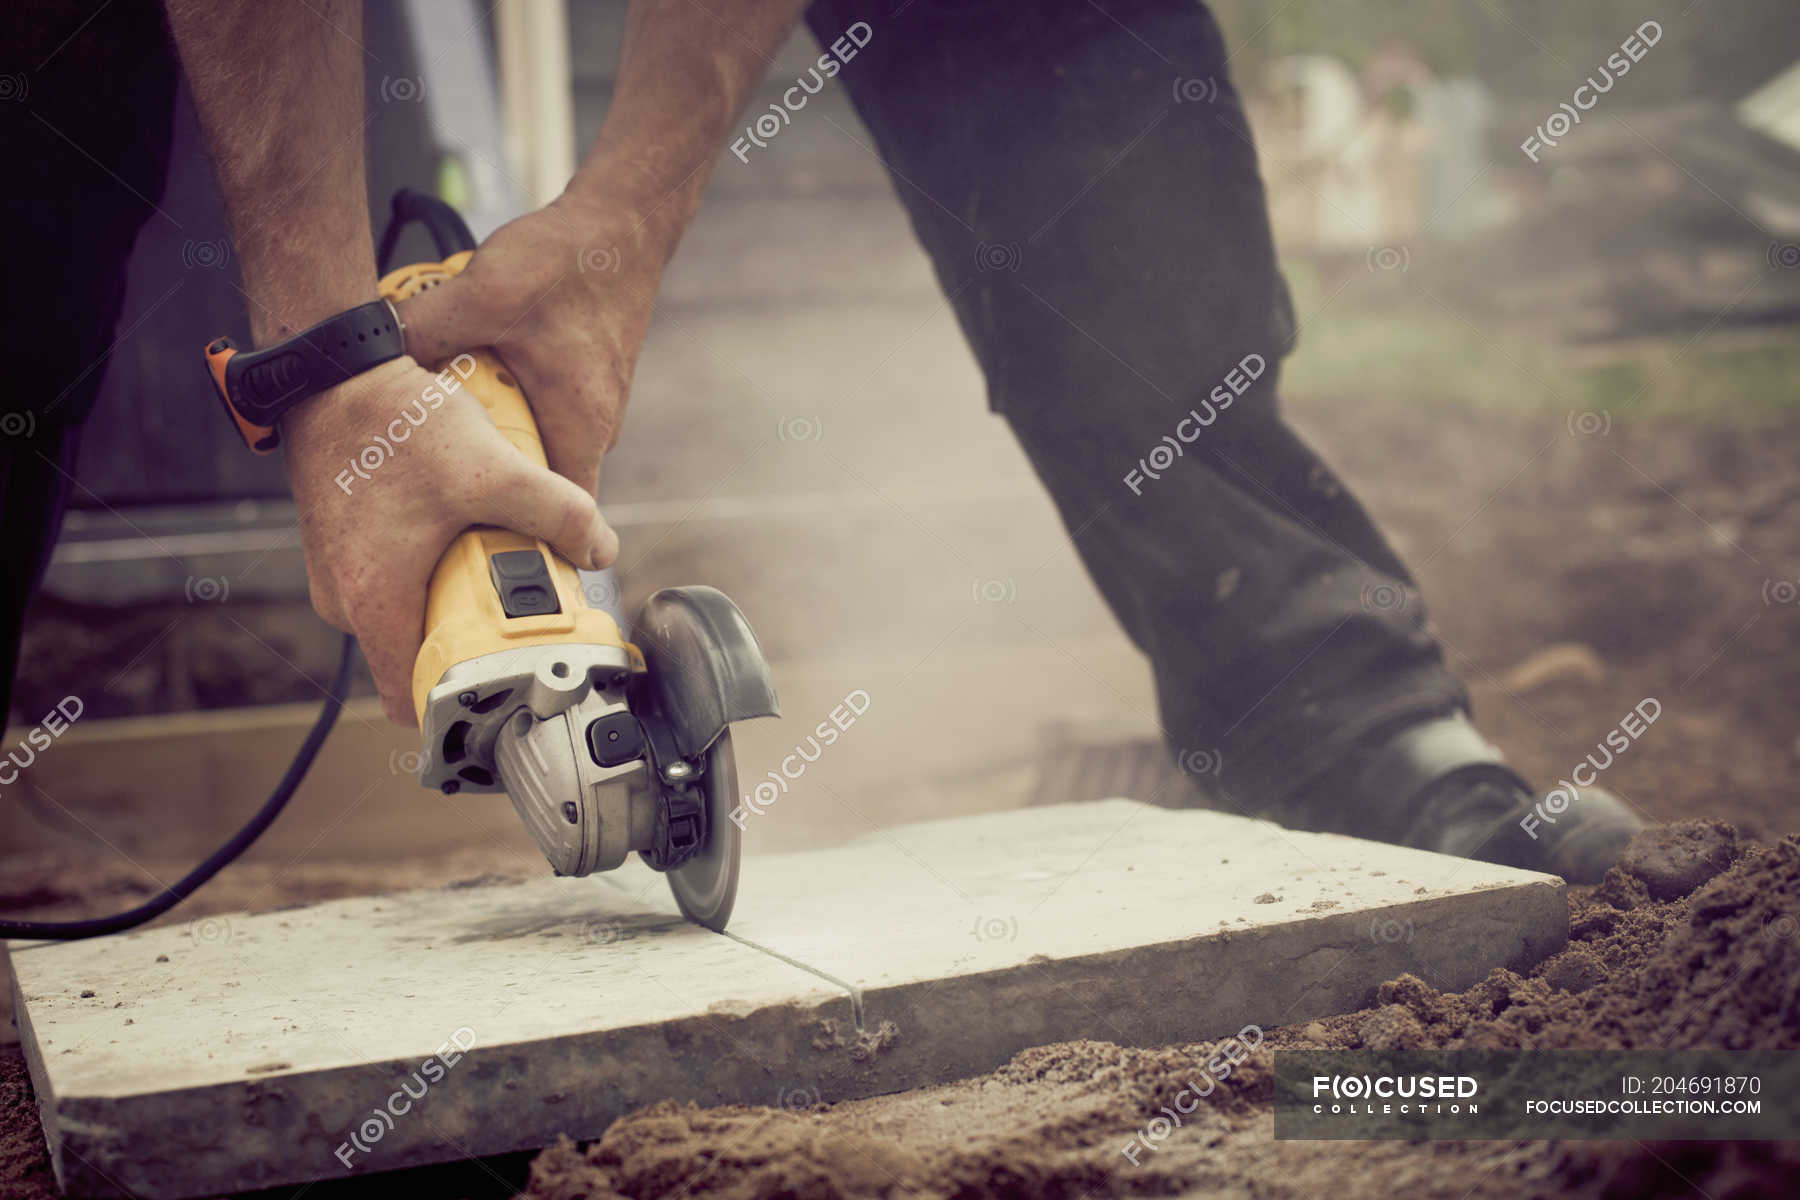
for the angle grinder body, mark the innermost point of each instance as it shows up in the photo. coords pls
(526, 683)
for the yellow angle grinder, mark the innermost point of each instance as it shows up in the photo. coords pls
(527, 684)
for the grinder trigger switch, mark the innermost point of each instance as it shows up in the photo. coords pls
(522, 578)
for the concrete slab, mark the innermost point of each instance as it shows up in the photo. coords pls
(369, 1034)
(362, 1035)
(980, 936)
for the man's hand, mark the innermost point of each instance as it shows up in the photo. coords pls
(371, 543)
(564, 295)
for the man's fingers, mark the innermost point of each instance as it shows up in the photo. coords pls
(389, 631)
(543, 504)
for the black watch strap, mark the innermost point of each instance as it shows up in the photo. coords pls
(259, 386)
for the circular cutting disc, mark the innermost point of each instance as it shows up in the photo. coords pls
(706, 884)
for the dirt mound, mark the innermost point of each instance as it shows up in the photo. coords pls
(1719, 967)
(1672, 860)
(1715, 962)
(1048, 1123)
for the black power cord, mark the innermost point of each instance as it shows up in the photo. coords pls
(450, 234)
(69, 931)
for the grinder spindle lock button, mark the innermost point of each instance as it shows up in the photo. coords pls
(615, 738)
(522, 578)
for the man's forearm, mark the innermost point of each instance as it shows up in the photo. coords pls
(279, 90)
(685, 74)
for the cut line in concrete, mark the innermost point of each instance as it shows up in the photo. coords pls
(981, 936)
(362, 1035)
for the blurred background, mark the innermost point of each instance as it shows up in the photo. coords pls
(1565, 381)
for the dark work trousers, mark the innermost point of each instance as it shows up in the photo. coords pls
(1084, 181)
(86, 101)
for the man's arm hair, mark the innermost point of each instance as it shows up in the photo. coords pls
(686, 72)
(279, 90)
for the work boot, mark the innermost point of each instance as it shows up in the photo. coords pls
(1439, 785)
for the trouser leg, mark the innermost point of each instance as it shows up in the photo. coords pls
(1085, 185)
(87, 132)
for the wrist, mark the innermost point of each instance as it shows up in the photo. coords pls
(286, 312)
(291, 284)
(361, 403)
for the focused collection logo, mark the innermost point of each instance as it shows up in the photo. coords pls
(1388, 1095)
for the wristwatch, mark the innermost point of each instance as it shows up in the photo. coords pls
(259, 386)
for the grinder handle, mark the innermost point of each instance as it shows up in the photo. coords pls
(494, 589)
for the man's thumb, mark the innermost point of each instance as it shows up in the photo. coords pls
(542, 504)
